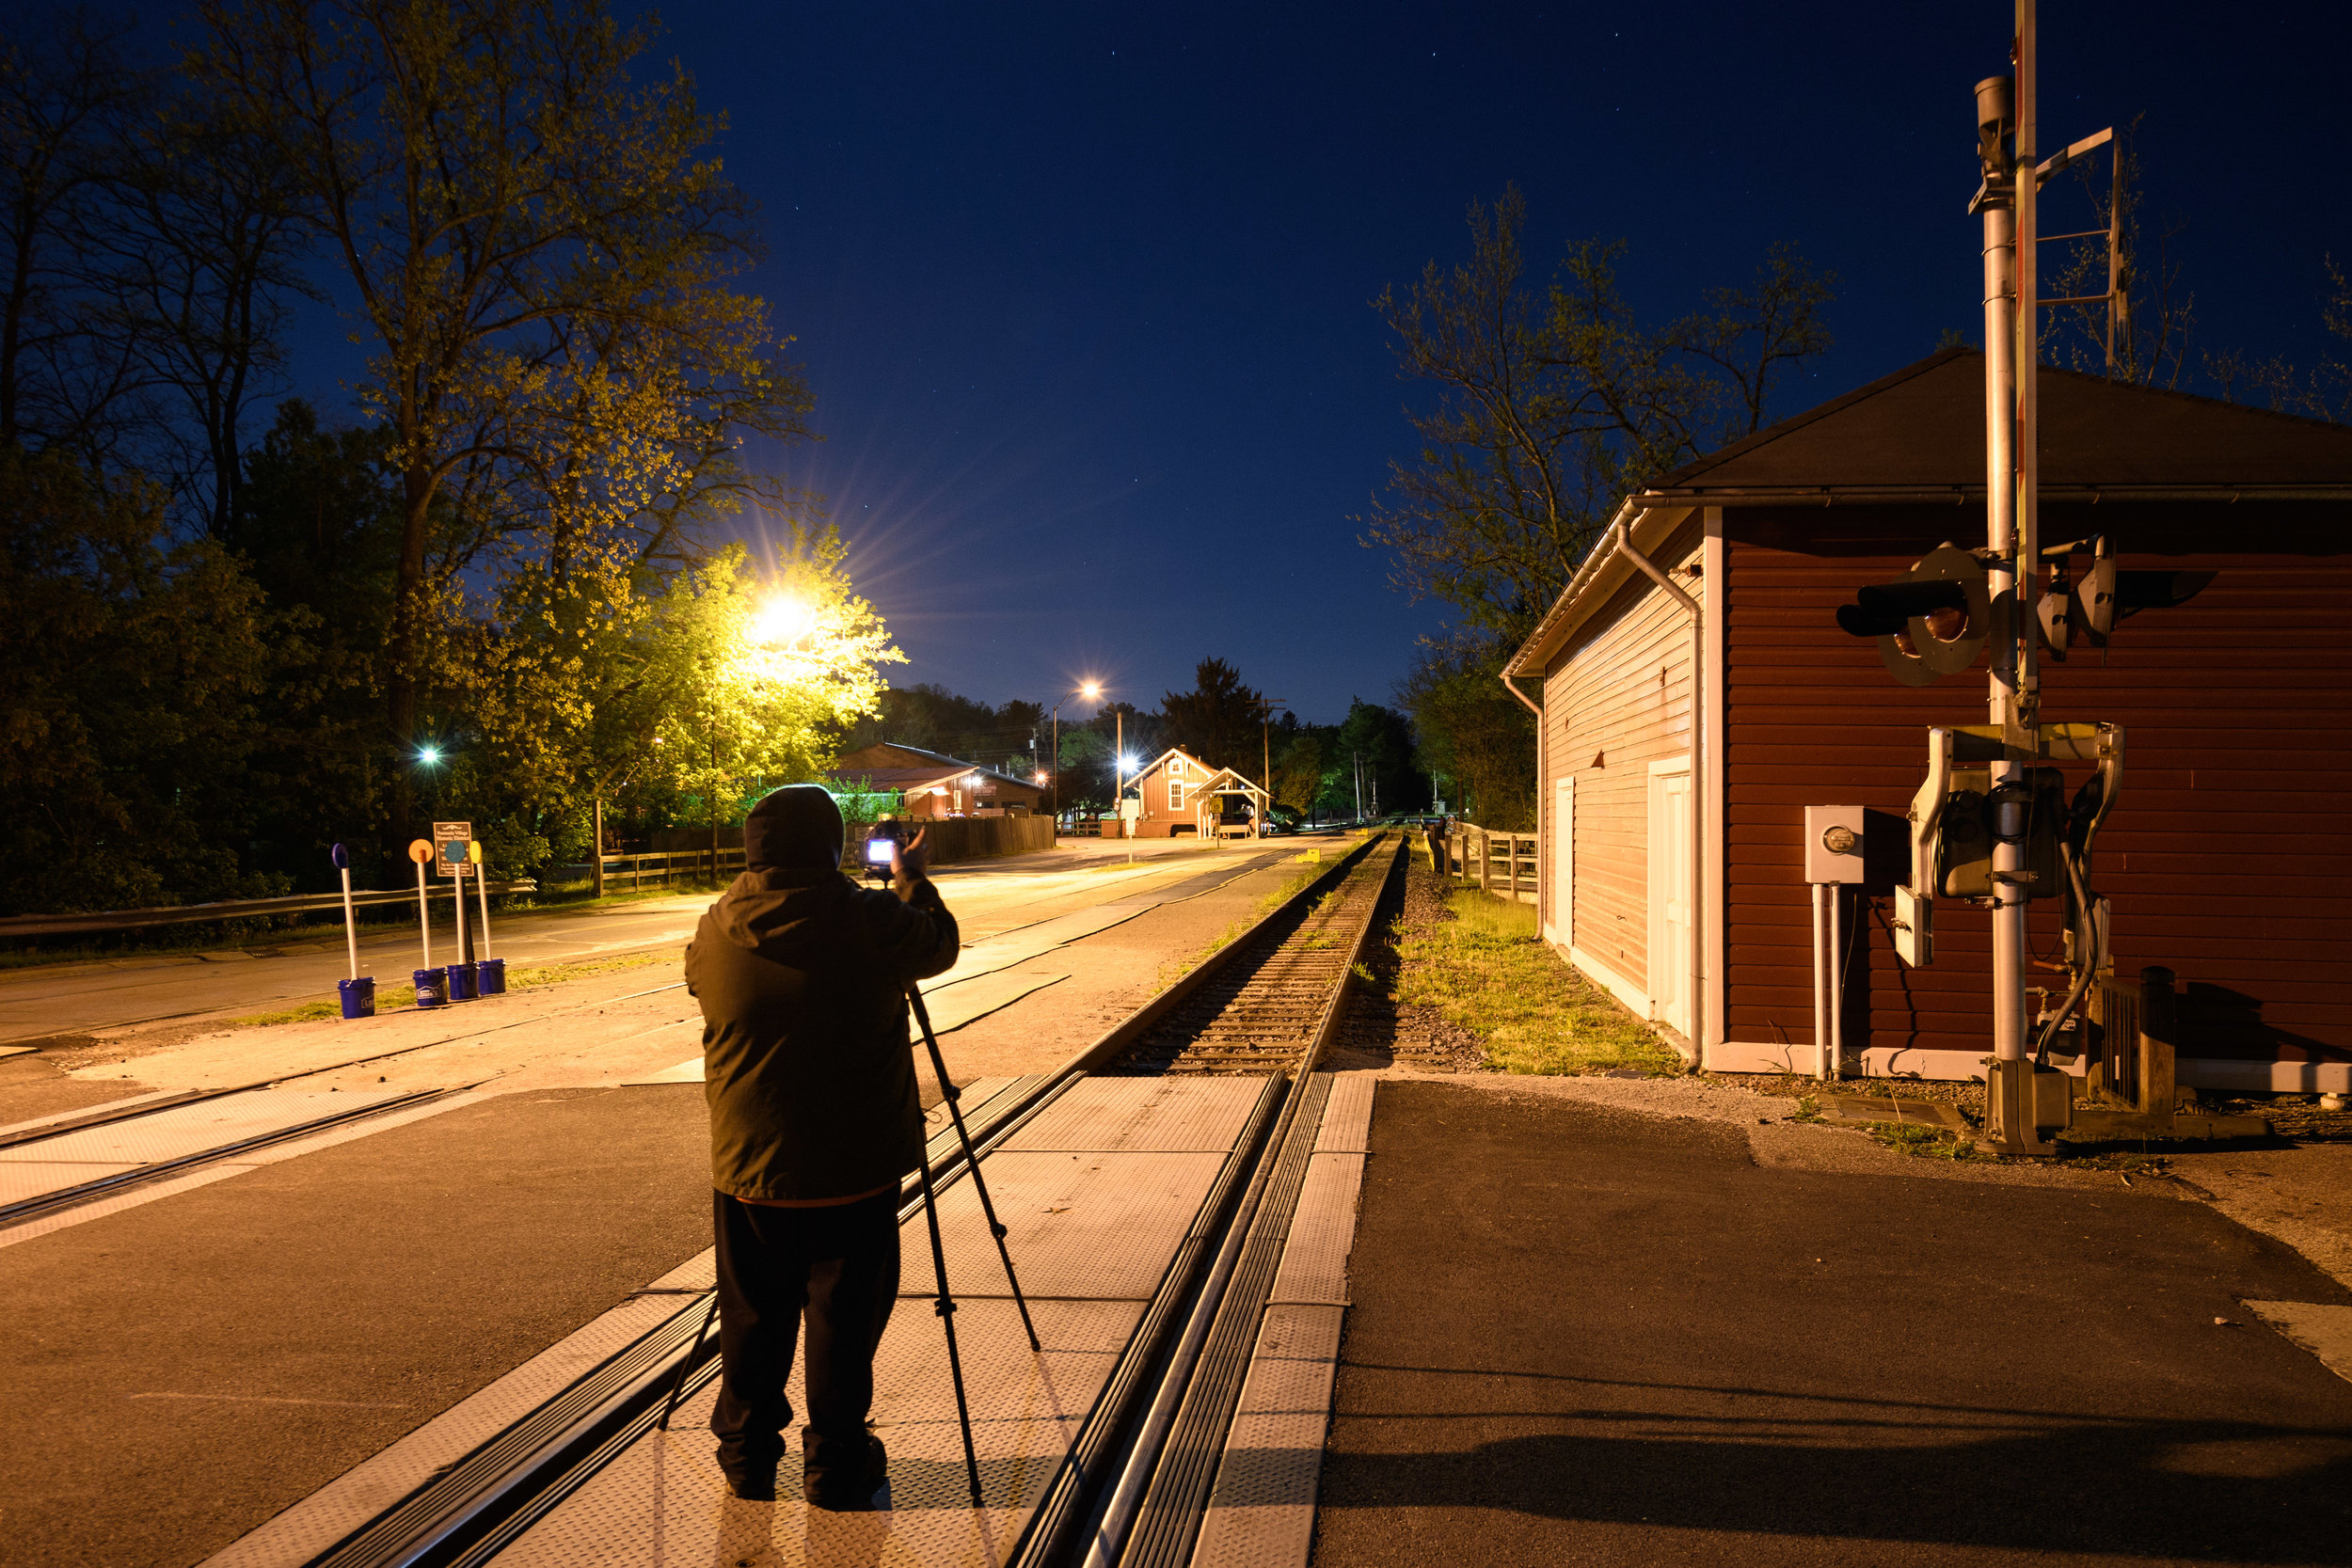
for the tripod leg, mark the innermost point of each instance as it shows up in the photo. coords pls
(686, 1365)
(946, 1307)
(951, 1094)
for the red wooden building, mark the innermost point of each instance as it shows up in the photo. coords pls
(1685, 731)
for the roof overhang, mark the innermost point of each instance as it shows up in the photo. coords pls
(1646, 519)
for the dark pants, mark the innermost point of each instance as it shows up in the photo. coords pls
(841, 1265)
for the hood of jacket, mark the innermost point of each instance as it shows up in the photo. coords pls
(781, 912)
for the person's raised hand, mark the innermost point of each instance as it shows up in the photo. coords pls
(907, 860)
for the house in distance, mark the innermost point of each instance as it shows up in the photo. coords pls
(933, 784)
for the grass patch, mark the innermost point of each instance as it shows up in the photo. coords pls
(1927, 1143)
(1488, 970)
(392, 998)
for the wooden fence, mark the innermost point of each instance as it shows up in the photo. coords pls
(1502, 864)
(951, 839)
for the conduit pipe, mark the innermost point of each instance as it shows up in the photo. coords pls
(1619, 541)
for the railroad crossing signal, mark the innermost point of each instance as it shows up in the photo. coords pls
(450, 844)
(1936, 618)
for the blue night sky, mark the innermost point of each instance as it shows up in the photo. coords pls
(1084, 296)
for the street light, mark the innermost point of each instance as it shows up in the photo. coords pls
(782, 622)
(429, 755)
(1090, 691)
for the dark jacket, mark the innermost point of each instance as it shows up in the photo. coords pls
(807, 1064)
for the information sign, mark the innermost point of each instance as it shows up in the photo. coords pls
(450, 841)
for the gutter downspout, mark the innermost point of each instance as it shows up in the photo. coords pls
(1624, 546)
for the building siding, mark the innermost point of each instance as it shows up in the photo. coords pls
(2227, 856)
(1617, 694)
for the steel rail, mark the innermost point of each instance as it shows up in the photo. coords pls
(121, 1182)
(468, 1511)
(1154, 1513)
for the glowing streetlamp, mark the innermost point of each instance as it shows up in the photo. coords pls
(429, 756)
(782, 622)
(1090, 691)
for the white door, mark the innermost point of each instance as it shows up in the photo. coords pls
(1562, 930)
(1672, 925)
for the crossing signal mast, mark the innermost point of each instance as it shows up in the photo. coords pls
(1991, 824)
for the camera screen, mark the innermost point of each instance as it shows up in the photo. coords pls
(878, 851)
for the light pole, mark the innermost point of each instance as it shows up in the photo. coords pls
(1265, 707)
(1090, 690)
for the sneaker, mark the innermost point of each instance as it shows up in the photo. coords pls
(860, 1486)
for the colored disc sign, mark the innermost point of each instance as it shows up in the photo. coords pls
(450, 843)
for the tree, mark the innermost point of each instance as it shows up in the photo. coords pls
(1548, 409)
(68, 98)
(1216, 720)
(2157, 314)
(537, 249)
(1473, 733)
(133, 672)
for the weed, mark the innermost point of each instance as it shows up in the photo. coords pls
(1931, 1142)
(1362, 973)
(1488, 970)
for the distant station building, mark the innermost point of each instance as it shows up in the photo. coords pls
(1179, 795)
(1681, 743)
(933, 784)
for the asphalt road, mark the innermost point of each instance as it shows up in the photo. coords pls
(180, 1372)
(45, 1003)
(1582, 1335)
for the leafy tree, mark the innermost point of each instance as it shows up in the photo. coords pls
(1473, 733)
(1549, 409)
(1216, 720)
(133, 672)
(1374, 743)
(537, 248)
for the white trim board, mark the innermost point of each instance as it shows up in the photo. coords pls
(2201, 1073)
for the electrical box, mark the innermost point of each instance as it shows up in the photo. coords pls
(1833, 844)
(1914, 928)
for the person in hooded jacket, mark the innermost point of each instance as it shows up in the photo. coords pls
(809, 1073)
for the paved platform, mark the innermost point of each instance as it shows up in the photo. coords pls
(1582, 1335)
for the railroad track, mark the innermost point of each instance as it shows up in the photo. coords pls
(1136, 1479)
(1257, 1012)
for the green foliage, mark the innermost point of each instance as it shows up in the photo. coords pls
(1473, 733)
(1218, 720)
(133, 672)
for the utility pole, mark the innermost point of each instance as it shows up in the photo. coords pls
(1265, 707)
(1356, 759)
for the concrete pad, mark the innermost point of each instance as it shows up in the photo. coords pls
(1585, 1335)
(2324, 1330)
(1878, 1110)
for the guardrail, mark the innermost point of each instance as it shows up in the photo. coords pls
(1505, 864)
(244, 908)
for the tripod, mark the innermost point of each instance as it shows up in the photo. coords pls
(945, 1304)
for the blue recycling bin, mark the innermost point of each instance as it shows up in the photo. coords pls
(489, 976)
(432, 987)
(359, 996)
(461, 982)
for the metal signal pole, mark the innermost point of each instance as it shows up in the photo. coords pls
(2012, 352)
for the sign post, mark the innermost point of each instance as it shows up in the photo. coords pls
(451, 844)
(489, 973)
(432, 984)
(358, 993)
